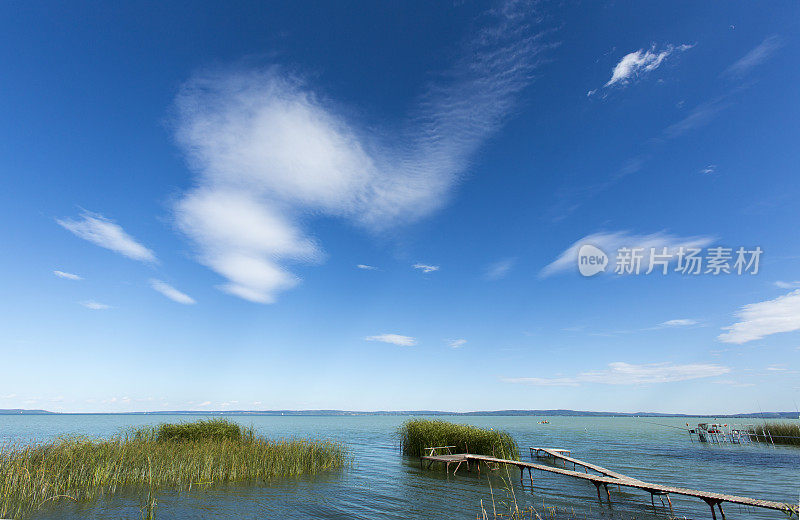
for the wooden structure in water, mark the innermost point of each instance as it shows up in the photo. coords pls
(600, 477)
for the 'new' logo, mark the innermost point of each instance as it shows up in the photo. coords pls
(591, 260)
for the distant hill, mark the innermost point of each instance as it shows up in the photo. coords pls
(507, 413)
(20, 411)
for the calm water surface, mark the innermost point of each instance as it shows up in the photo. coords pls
(382, 484)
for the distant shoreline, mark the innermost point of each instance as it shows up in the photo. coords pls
(346, 413)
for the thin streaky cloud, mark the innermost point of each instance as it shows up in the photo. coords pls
(95, 306)
(394, 339)
(500, 269)
(67, 276)
(366, 267)
(683, 322)
(787, 285)
(621, 373)
(755, 57)
(268, 150)
(456, 343)
(171, 292)
(107, 234)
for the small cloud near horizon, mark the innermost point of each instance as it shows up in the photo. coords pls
(620, 373)
(67, 276)
(394, 339)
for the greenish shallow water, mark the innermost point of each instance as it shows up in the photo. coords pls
(382, 484)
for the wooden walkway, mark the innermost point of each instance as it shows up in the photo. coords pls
(605, 478)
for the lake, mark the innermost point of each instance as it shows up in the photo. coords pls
(382, 484)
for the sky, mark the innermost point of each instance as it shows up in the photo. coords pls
(386, 206)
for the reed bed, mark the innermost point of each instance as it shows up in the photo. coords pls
(418, 434)
(779, 433)
(175, 456)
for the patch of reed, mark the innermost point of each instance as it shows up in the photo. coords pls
(418, 434)
(779, 433)
(208, 452)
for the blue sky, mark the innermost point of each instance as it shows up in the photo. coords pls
(375, 206)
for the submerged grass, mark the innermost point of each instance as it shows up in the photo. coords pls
(779, 433)
(418, 434)
(178, 456)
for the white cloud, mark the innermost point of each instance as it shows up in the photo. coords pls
(765, 318)
(68, 276)
(679, 323)
(699, 116)
(708, 170)
(426, 268)
(610, 242)
(8, 396)
(106, 233)
(367, 267)
(394, 339)
(621, 373)
(456, 343)
(95, 306)
(755, 57)
(271, 156)
(639, 63)
(787, 285)
(500, 269)
(171, 292)
(205, 403)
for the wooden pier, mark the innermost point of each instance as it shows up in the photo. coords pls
(601, 477)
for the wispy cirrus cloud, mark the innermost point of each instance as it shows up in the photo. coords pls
(95, 306)
(366, 267)
(106, 233)
(171, 292)
(425, 268)
(456, 343)
(610, 242)
(269, 151)
(620, 373)
(683, 322)
(756, 56)
(761, 319)
(637, 64)
(500, 269)
(67, 276)
(394, 339)
(787, 285)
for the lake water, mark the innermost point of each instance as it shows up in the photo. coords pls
(382, 484)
